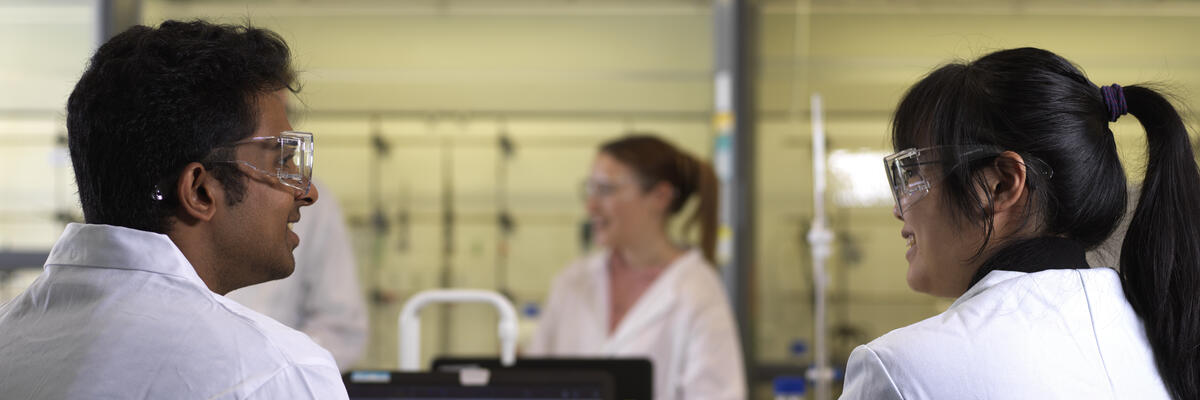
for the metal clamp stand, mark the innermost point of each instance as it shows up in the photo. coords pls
(820, 239)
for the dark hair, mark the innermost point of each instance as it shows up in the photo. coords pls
(654, 160)
(1039, 105)
(153, 100)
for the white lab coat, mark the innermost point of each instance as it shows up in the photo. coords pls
(1055, 334)
(121, 314)
(322, 298)
(682, 323)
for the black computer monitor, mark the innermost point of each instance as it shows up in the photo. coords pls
(633, 378)
(500, 385)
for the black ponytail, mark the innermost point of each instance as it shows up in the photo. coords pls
(1160, 258)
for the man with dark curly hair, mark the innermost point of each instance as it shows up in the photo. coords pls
(190, 177)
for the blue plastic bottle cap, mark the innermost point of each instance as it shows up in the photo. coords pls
(531, 310)
(799, 347)
(789, 385)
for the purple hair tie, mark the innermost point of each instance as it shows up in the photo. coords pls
(1114, 99)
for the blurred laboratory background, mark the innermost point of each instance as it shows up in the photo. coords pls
(456, 134)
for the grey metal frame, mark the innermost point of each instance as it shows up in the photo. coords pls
(734, 27)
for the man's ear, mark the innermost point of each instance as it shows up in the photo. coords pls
(199, 193)
(1006, 182)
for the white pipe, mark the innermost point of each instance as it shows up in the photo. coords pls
(818, 137)
(410, 323)
(820, 240)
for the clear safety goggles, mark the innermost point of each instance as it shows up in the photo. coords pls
(294, 154)
(913, 172)
(593, 188)
(601, 188)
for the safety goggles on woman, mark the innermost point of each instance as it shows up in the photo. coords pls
(913, 172)
(293, 163)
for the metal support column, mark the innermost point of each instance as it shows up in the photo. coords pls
(733, 158)
(820, 239)
(115, 16)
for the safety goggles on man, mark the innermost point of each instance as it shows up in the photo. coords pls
(294, 163)
(913, 172)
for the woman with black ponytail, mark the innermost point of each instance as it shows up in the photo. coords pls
(1006, 172)
(645, 294)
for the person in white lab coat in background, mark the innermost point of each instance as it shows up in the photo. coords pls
(1006, 172)
(322, 298)
(644, 295)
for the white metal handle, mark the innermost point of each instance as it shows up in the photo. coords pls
(409, 323)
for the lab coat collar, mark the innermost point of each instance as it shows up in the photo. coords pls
(991, 279)
(107, 246)
(657, 299)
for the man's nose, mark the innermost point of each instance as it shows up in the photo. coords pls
(311, 197)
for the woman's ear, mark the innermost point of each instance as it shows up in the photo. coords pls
(1006, 182)
(199, 193)
(663, 194)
